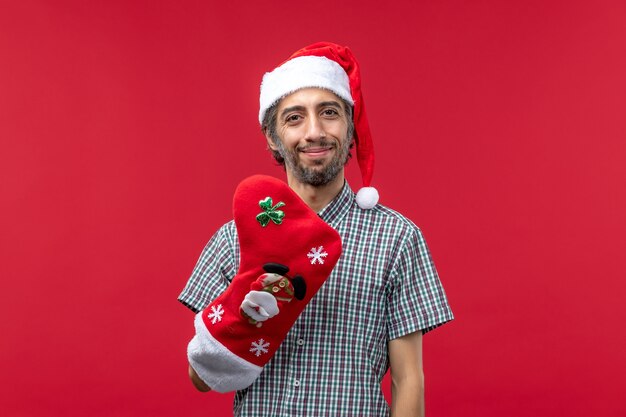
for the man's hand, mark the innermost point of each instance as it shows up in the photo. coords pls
(197, 382)
(407, 376)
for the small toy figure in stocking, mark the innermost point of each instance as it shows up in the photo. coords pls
(286, 253)
(270, 291)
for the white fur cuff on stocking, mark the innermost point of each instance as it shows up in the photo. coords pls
(219, 368)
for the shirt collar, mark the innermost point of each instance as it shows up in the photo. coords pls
(336, 210)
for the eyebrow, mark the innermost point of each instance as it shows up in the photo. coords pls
(331, 103)
(290, 109)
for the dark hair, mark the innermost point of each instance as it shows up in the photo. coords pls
(268, 127)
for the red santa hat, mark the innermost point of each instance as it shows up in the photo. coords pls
(332, 67)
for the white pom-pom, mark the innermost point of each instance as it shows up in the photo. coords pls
(367, 197)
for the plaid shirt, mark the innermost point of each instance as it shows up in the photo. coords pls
(333, 359)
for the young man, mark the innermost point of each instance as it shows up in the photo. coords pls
(384, 292)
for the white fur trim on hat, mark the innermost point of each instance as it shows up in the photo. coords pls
(303, 72)
(218, 367)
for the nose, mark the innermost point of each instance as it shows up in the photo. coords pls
(315, 129)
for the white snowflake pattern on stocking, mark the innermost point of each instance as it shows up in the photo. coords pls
(216, 314)
(317, 255)
(259, 347)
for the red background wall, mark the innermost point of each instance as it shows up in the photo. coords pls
(125, 126)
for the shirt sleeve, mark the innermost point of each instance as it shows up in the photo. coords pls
(417, 300)
(214, 270)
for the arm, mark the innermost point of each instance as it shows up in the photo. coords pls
(210, 277)
(197, 382)
(407, 376)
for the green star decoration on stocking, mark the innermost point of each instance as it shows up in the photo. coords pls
(270, 212)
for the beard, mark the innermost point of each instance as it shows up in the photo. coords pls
(319, 174)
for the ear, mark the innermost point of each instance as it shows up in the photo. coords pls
(268, 139)
(299, 287)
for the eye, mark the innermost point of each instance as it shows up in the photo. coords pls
(330, 112)
(292, 118)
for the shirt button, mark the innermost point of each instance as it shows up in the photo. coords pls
(300, 342)
(296, 383)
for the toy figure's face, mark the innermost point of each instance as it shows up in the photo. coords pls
(279, 287)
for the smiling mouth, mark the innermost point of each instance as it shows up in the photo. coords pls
(316, 150)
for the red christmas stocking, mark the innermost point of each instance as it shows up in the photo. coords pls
(287, 252)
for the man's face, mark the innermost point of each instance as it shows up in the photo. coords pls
(312, 128)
